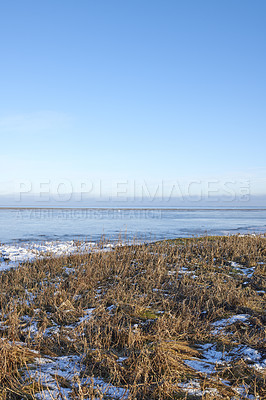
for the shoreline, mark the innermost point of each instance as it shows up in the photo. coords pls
(14, 253)
(214, 208)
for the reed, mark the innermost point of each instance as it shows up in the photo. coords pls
(135, 318)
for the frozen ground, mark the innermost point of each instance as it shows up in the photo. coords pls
(12, 255)
(51, 370)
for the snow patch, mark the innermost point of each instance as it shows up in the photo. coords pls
(12, 255)
(223, 323)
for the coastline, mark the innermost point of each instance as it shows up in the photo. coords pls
(166, 208)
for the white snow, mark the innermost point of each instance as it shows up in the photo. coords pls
(12, 255)
(213, 357)
(46, 370)
(223, 323)
(87, 315)
(193, 389)
(242, 270)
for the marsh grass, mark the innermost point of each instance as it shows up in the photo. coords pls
(134, 316)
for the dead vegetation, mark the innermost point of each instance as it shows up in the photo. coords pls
(137, 318)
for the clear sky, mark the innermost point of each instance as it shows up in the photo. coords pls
(132, 91)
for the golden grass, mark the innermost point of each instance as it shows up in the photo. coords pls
(153, 305)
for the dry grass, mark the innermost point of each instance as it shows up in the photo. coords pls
(153, 306)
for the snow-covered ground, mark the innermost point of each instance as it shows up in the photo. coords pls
(49, 370)
(213, 357)
(12, 255)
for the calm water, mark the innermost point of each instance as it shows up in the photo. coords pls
(91, 224)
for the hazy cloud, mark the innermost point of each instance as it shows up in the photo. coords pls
(34, 122)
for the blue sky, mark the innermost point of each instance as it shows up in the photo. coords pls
(132, 91)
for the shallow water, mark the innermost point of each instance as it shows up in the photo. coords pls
(39, 225)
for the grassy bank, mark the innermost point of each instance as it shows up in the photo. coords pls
(179, 319)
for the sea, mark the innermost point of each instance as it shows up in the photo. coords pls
(19, 225)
